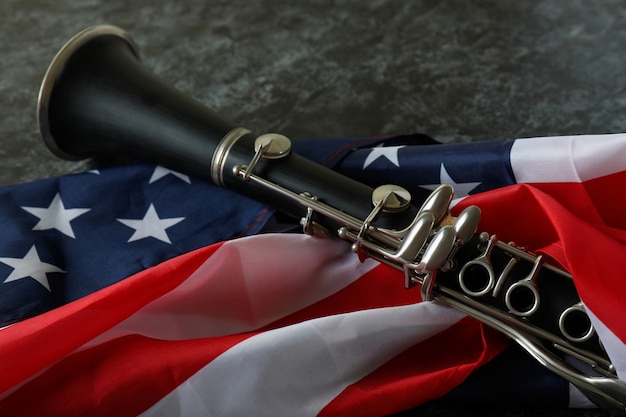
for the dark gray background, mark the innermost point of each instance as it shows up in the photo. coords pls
(458, 70)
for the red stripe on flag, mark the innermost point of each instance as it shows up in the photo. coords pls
(597, 201)
(46, 339)
(121, 377)
(381, 287)
(421, 373)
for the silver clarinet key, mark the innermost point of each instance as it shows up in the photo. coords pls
(438, 202)
(435, 256)
(466, 224)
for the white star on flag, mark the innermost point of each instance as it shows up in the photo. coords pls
(461, 189)
(30, 266)
(56, 216)
(389, 152)
(151, 226)
(160, 172)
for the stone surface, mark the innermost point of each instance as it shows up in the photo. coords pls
(458, 70)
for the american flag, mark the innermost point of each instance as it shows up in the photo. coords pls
(138, 290)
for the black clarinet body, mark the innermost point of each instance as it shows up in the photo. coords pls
(98, 99)
(113, 102)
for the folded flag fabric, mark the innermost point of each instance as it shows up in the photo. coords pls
(136, 309)
(219, 331)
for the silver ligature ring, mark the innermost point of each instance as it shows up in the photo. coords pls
(221, 153)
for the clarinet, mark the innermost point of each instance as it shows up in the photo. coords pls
(98, 99)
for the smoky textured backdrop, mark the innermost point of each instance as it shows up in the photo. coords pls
(458, 70)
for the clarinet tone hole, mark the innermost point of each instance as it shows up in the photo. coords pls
(575, 325)
(522, 299)
(475, 280)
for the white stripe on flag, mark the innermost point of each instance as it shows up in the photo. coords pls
(614, 347)
(568, 158)
(241, 287)
(299, 369)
